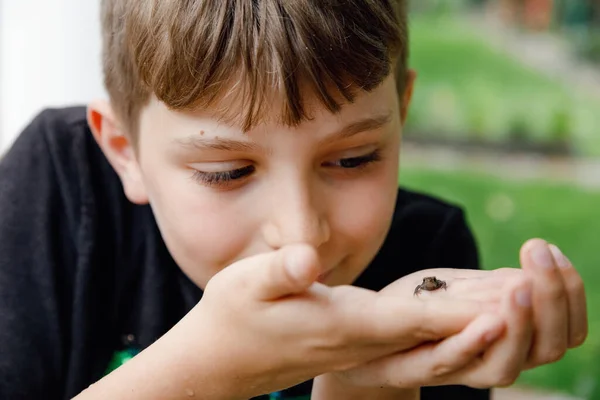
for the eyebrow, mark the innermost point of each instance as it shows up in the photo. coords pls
(363, 125)
(222, 144)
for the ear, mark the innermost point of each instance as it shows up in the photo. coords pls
(411, 77)
(118, 149)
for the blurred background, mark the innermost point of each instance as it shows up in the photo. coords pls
(505, 122)
(49, 57)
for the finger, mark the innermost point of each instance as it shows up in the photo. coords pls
(577, 304)
(433, 364)
(550, 303)
(270, 276)
(430, 363)
(506, 358)
(430, 319)
(463, 349)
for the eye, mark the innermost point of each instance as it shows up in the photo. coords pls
(223, 178)
(356, 162)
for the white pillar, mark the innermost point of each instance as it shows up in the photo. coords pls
(49, 57)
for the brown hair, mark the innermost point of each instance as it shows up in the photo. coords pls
(191, 53)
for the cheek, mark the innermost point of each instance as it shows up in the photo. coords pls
(371, 207)
(203, 231)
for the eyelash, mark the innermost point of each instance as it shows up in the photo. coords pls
(360, 161)
(224, 178)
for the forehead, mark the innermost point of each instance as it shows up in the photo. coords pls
(229, 111)
(169, 127)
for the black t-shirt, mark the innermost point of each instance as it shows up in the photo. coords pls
(82, 268)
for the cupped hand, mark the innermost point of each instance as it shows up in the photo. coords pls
(265, 321)
(558, 296)
(542, 314)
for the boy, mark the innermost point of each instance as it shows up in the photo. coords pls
(214, 214)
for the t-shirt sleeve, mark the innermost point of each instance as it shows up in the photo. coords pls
(35, 252)
(425, 233)
(454, 246)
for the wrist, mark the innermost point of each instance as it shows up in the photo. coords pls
(331, 387)
(182, 364)
(201, 359)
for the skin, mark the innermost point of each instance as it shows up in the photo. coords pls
(272, 300)
(298, 192)
(557, 292)
(297, 189)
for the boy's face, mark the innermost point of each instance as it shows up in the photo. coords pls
(220, 195)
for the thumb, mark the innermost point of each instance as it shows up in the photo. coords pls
(287, 271)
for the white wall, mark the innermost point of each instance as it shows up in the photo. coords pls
(49, 57)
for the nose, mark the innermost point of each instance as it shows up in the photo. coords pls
(296, 216)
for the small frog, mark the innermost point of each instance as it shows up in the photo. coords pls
(430, 283)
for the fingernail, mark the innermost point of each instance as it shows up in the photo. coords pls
(523, 297)
(296, 266)
(542, 256)
(561, 260)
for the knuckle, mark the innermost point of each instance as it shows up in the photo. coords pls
(446, 367)
(578, 339)
(556, 355)
(556, 292)
(426, 333)
(551, 356)
(507, 379)
(423, 328)
(441, 369)
(575, 284)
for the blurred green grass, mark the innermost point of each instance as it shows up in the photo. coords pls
(468, 89)
(503, 214)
